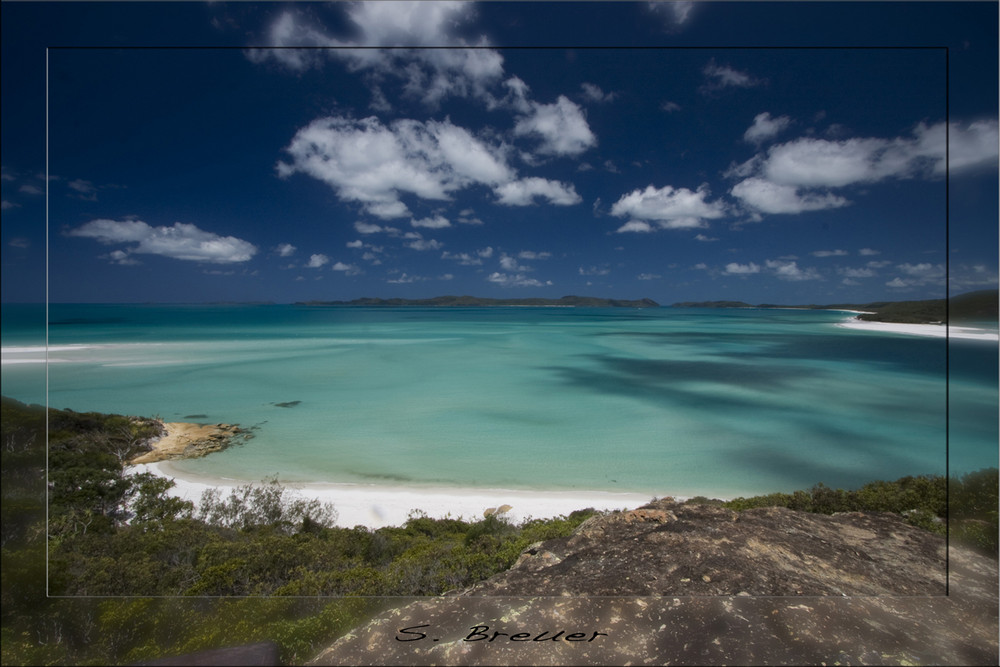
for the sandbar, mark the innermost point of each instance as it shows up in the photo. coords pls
(936, 330)
(377, 506)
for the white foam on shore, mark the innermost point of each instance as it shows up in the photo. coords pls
(936, 330)
(376, 506)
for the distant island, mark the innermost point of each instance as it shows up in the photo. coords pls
(469, 301)
(981, 305)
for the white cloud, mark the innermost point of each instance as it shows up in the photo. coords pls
(84, 189)
(531, 254)
(916, 275)
(593, 93)
(869, 251)
(355, 244)
(524, 191)
(670, 107)
(857, 273)
(723, 76)
(562, 128)
(424, 244)
(768, 197)
(828, 253)
(463, 258)
(180, 241)
(670, 208)
(486, 252)
(348, 269)
(516, 280)
(317, 260)
(648, 276)
(594, 271)
(640, 226)
(372, 164)
(705, 239)
(30, 189)
(675, 14)
(370, 228)
(764, 127)
(428, 74)
(437, 222)
(742, 269)
(285, 249)
(6, 205)
(789, 270)
(508, 263)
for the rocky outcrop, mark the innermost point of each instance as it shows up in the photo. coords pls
(695, 584)
(188, 441)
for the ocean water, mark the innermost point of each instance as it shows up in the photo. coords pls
(660, 401)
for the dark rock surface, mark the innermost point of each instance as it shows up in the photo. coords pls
(765, 586)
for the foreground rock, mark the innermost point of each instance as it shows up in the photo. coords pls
(188, 441)
(765, 586)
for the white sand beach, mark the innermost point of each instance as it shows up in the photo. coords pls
(376, 506)
(936, 330)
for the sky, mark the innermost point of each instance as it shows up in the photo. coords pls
(788, 152)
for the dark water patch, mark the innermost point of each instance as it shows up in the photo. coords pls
(195, 417)
(657, 390)
(288, 404)
(83, 321)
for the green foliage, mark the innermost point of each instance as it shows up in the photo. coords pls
(968, 505)
(254, 506)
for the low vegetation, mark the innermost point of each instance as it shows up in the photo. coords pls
(162, 574)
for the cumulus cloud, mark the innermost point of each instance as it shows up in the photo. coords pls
(317, 260)
(523, 192)
(857, 272)
(84, 189)
(427, 74)
(670, 107)
(869, 251)
(561, 127)
(30, 189)
(515, 280)
(768, 197)
(180, 241)
(639, 226)
(531, 254)
(373, 164)
(437, 222)
(463, 258)
(668, 207)
(790, 270)
(742, 269)
(718, 77)
(674, 14)
(593, 93)
(594, 271)
(347, 269)
(829, 253)
(284, 249)
(648, 276)
(918, 275)
(764, 127)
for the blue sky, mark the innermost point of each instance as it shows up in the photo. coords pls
(675, 151)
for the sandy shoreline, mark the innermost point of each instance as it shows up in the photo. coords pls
(376, 506)
(936, 330)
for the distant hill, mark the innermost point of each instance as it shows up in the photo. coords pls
(471, 301)
(981, 305)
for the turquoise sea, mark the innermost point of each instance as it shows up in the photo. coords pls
(662, 401)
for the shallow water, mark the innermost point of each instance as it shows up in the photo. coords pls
(676, 401)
